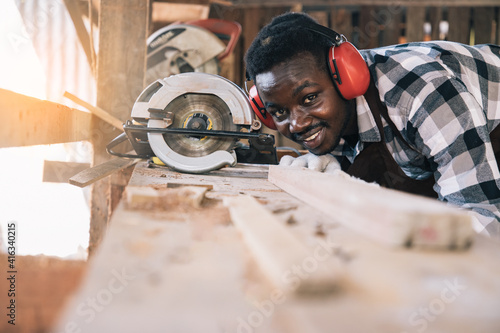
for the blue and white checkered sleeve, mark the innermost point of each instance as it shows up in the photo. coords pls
(451, 131)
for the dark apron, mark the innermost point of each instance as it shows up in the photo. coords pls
(376, 164)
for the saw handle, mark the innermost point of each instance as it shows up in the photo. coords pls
(222, 28)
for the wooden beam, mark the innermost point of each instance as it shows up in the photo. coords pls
(104, 115)
(415, 18)
(27, 121)
(121, 63)
(60, 171)
(277, 251)
(459, 30)
(81, 31)
(391, 217)
(172, 12)
(483, 25)
(91, 175)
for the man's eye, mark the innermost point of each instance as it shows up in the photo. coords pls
(310, 98)
(280, 114)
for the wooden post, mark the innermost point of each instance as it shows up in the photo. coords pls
(436, 14)
(342, 21)
(391, 19)
(459, 19)
(369, 29)
(483, 25)
(415, 18)
(121, 63)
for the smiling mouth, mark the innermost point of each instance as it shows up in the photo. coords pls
(312, 137)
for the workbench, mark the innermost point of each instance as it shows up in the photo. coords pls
(184, 267)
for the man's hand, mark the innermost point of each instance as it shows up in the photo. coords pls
(323, 163)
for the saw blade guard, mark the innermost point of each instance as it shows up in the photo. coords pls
(155, 103)
(162, 92)
(179, 48)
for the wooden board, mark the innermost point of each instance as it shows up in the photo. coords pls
(276, 249)
(171, 12)
(27, 121)
(483, 18)
(91, 175)
(188, 270)
(60, 171)
(391, 217)
(415, 18)
(123, 30)
(459, 30)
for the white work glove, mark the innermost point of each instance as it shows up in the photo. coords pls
(322, 163)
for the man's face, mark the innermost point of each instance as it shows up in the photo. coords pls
(304, 104)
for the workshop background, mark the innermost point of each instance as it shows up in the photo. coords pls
(96, 50)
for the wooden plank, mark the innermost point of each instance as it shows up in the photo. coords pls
(172, 12)
(104, 115)
(170, 266)
(483, 25)
(459, 20)
(91, 175)
(415, 18)
(60, 171)
(277, 251)
(27, 121)
(391, 217)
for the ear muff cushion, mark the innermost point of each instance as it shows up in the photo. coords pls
(259, 109)
(349, 70)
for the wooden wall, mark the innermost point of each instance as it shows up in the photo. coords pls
(369, 26)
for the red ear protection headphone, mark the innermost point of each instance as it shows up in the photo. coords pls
(348, 70)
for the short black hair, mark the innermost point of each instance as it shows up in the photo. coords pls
(285, 37)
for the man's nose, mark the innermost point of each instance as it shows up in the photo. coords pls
(299, 121)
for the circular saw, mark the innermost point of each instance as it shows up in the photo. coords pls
(196, 122)
(194, 46)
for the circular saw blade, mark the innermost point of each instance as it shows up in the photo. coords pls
(201, 112)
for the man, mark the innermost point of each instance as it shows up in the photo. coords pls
(422, 122)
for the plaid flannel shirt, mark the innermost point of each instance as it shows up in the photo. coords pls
(444, 98)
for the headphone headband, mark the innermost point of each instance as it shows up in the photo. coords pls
(332, 35)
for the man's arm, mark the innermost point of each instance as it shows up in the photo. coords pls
(451, 131)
